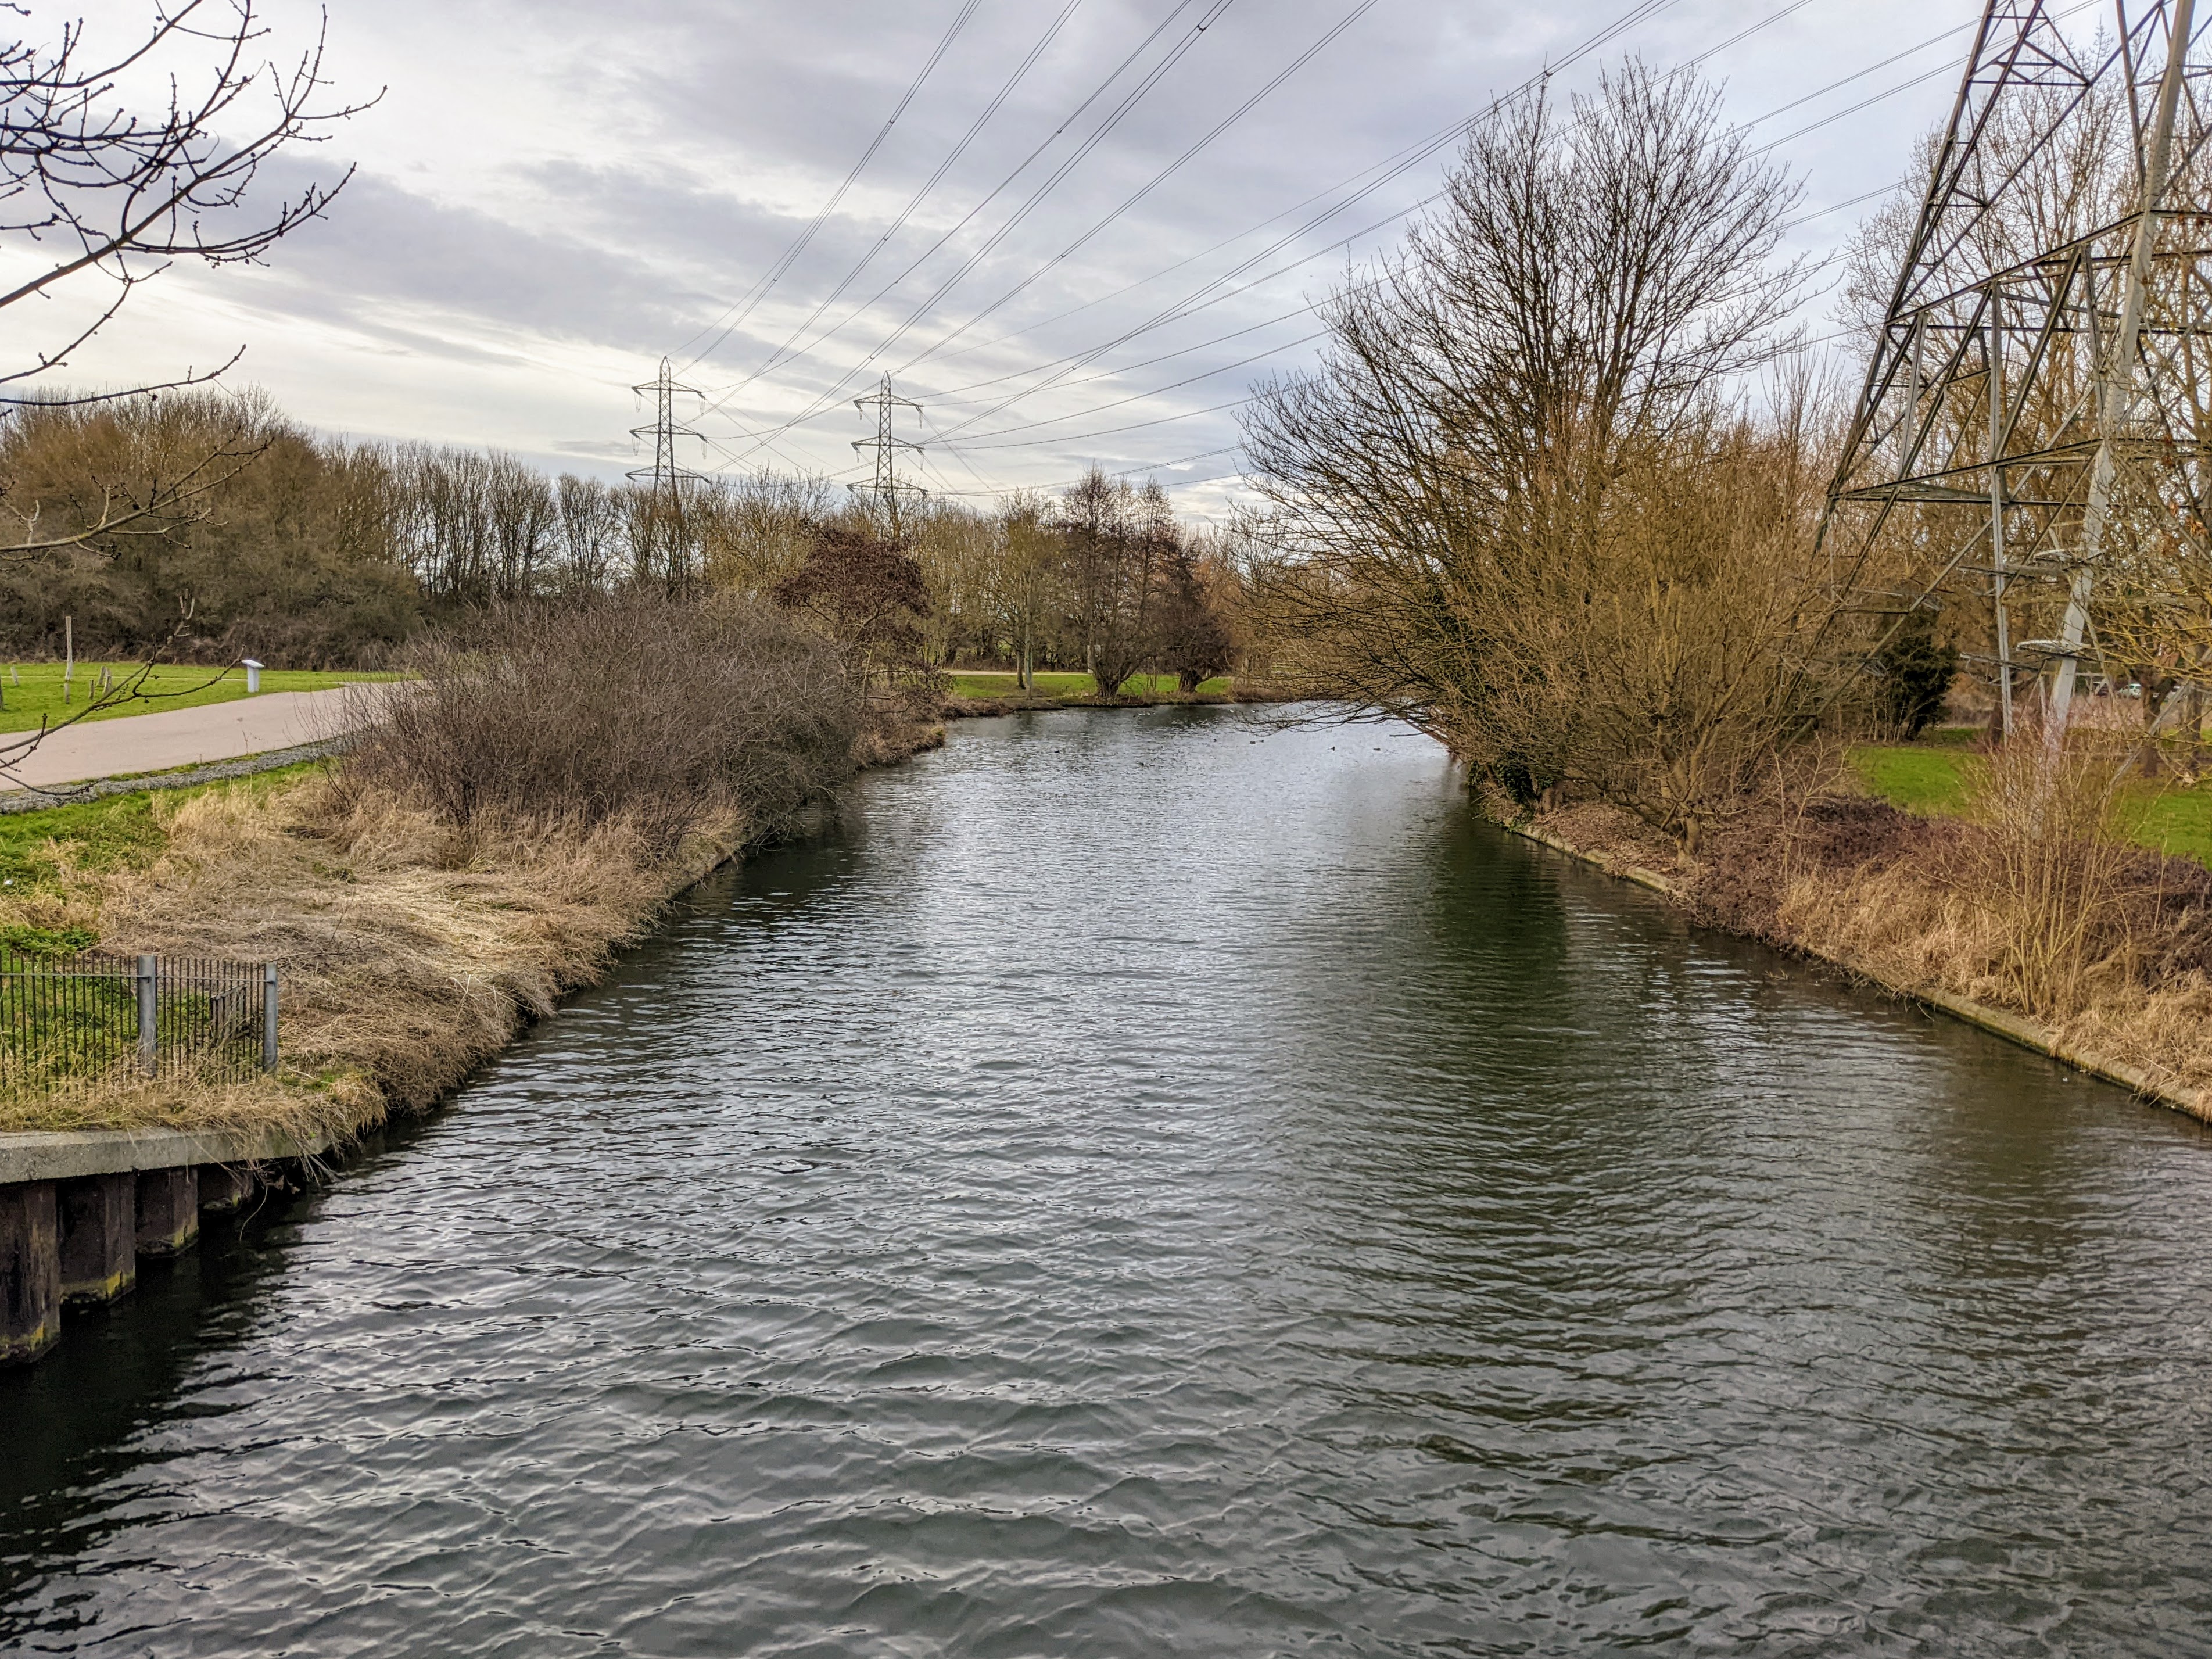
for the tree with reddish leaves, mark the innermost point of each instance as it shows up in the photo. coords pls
(867, 597)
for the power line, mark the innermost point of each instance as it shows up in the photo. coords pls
(1113, 119)
(952, 396)
(783, 351)
(1946, 68)
(1136, 398)
(1775, 17)
(1397, 163)
(1099, 228)
(1393, 167)
(759, 291)
(1642, 11)
(1638, 13)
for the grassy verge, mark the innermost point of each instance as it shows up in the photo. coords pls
(992, 684)
(484, 850)
(410, 950)
(2097, 955)
(1937, 780)
(43, 853)
(30, 692)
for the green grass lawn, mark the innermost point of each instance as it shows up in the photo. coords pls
(39, 850)
(2171, 820)
(100, 834)
(1937, 780)
(988, 684)
(33, 691)
(1931, 780)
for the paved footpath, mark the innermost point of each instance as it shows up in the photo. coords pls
(185, 737)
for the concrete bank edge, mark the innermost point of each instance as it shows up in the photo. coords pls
(64, 1155)
(1997, 1022)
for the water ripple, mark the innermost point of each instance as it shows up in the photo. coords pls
(1158, 1183)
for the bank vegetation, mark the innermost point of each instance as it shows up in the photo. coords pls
(308, 552)
(551, 778)
(1554, 493)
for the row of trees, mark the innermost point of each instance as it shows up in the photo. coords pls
(314, 553)
(1555, 491)
(1101, 579)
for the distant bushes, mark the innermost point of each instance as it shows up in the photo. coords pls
(631, 707)
(278, 544)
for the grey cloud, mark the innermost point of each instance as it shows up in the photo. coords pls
(628, 181)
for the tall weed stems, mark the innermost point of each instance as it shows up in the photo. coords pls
(2049, 874)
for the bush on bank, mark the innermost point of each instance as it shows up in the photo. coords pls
(630, 706)
(525, 809)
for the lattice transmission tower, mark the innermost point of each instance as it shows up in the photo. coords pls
(887, 499)
(2032, 438)
(663, 538)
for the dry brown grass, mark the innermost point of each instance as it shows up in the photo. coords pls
(2029, 906)
(411, 948)
(2028, 909)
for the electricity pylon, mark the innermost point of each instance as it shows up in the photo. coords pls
(2040, 398)
(663, 537)
(884, 496)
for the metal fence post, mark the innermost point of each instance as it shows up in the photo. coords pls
(268, 1017)
(150, 1014)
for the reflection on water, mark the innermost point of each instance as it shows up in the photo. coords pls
(1155, 1183)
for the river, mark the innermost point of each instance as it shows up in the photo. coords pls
(1160, 1183)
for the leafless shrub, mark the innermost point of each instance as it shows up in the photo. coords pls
(2047, 871)
(634, 709)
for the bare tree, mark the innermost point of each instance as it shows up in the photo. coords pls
(98, 191)
(591, 529)
(103, 193)
(1026, 586)
(520, 502)
(756, 531)
(1464, 493)
(1116, 542)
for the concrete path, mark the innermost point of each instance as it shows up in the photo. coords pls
(185, 737)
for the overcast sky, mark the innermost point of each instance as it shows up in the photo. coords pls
(553, 194)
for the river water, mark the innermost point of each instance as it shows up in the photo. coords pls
(1159, 1183)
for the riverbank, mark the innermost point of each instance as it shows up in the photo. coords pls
(409, 949)
(1295, 1222)
(1868, 889)
(978, 696)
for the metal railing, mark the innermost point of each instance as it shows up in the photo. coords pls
(94, 1021)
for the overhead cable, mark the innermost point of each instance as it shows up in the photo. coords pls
(1114, 119)
(738, 314)
(1100, 226)
(899, 223)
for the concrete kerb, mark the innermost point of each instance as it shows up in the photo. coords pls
(23, 800)
(80, 1209)
(64, 1155)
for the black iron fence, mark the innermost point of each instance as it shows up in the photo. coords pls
(90, 1021)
